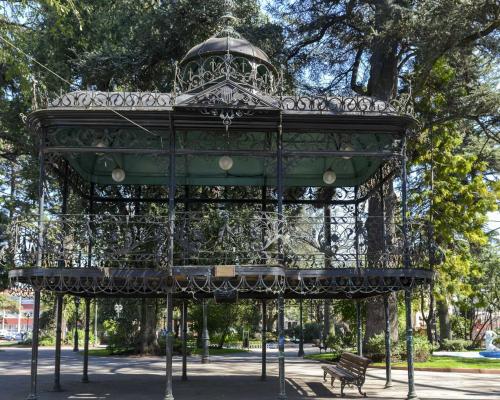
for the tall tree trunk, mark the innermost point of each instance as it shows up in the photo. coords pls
(382, 84)
(148, 343)
(444, 320)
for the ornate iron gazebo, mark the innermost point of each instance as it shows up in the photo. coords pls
(257, 194)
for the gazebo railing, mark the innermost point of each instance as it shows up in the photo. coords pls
(213, 237)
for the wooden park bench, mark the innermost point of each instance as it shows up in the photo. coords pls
(350, 370)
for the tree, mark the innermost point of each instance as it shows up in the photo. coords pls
(377, 48)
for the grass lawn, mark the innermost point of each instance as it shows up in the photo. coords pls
(104, 352)
(219, 352)
(452, 362)
(321, 356)
(434, 362)
(13, 344)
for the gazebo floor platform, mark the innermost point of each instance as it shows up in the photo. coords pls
(234, 376)
(225, 283)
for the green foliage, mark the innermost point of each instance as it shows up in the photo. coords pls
(455, 345)
(312, 330)
(119, 338)
(375, 348)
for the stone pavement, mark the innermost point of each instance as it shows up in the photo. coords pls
(226, 377)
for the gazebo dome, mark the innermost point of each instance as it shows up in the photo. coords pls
(226, 56)
(227, 44)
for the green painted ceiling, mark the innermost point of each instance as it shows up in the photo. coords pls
(256, 170)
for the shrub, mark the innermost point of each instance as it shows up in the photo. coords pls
(375, 347)
(120, 338)
(312, 330)
(47, 340)
(422, 348)
(177, 346)
(455, 344)
(334, 343)
(70, 337)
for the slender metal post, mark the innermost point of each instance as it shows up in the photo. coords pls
(184, 339)
(75, 338)
(91, 220)
(356, 226)
(205, 337)
(60, 297)
(41, 202)
(388, 378)
(409, 347)
(301, 329)
(382, 217)
(281, 300)
(404, 207)
(34, 346)
(170, 264)
(407, 264)
(263, 374)
(359, 328)
(57, 361)
(95, 322)
(85, 378)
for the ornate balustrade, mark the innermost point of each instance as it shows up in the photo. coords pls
(213, 237)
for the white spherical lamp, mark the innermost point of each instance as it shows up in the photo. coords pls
(348, 148)
(225, 163)
(118, 175)
(329, 177)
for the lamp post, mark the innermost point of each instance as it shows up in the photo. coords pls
(77, 305)
(118, 310)
(28, 316)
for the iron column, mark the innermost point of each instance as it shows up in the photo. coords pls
(281, 300)
(184, 339)
(75, 337)
(170, 264)
(57, 362)
(263, 374)
(388, 379)
(359, 328)
(34, 346)
(205, 337)
(85, 378)
(301, 329)
(59, 297)
(407, 264)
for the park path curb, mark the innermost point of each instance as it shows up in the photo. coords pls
(460, 370)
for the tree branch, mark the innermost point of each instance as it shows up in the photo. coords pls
(354, 74)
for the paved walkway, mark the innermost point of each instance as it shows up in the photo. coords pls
(226, 377)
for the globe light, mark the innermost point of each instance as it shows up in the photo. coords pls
(225, 163)
(101, 145)
(329, 177)
(118, 175)
(348, 148)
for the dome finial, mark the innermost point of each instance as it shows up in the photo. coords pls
(228, 18)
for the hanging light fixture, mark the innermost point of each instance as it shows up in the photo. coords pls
(225, 163)
(347, 147)
(329, 177)
(118, 175)
(101, 144)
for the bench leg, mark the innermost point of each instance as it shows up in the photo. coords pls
(342, 385)
(324, 376)
(360, 392)
(333, 380)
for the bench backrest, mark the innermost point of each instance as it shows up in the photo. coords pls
(356, 365)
